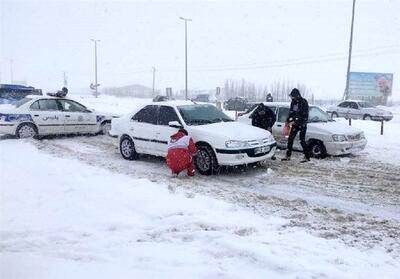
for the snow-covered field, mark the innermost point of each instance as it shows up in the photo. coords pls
(71, 207)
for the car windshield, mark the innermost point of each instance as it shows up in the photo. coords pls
(202, 114)
(21, 102)
(317, 115)
(365, 105)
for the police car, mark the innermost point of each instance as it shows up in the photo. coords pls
(46, 115)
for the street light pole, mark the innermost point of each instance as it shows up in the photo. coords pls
(346, 90)
(186, 79)
(95, 68)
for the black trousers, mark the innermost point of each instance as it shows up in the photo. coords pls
(293, 132)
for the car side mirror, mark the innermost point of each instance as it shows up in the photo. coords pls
(174, 124)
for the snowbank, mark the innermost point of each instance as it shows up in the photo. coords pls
(61, 218)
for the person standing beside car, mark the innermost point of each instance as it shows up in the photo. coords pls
(264, 118)
(298, 118)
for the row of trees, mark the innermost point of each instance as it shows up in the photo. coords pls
(279, 89)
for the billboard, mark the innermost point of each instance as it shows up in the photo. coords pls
(370, 84)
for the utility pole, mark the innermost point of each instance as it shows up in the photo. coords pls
(186, 79)
(154, 79)
(346, 90)
(95, 68)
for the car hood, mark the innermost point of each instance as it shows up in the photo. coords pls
(333, 128)
(230, 131)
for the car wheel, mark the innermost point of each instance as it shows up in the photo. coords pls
(367, 117)
(334, 115)
(206, 161)
(105, 128)
(127, 149)
(26, 130)
(317, 149)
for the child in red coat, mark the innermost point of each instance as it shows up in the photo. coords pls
(181, 150)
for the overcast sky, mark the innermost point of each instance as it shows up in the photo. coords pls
(260, 41)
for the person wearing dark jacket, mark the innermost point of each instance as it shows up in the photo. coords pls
(298, 117)
(269, 98)
(264, 118)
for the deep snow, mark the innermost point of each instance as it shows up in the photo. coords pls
(64, 219)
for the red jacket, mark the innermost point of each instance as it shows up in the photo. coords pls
(181, 148)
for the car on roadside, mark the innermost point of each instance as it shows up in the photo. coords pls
(237, 104)
(203, 98)
(220, 140)
(37, 115)
(356, 109)
(324, 136)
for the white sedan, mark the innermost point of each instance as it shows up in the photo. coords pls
(44, 115)
(324, 136)
(220, 140)
(359, 110)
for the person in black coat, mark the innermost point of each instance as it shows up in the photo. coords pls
(264, 118)
(269, 98)
(298, 116)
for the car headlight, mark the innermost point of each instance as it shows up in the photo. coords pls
(236, 144)
(339, 138)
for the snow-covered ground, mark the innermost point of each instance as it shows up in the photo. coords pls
(71, 207)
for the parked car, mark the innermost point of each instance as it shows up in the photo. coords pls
(324, 136)
(236, 104)
(37, 115)
(161, 98)
(359, 110)
(204, 98)
(220, 140)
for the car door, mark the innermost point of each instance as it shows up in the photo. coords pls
(77, 118)
(354, 110)
(166, 114)
(143, 129)
(48, 116)
(277, 129)
(343, 109)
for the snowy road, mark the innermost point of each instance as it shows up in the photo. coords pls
(352, 198)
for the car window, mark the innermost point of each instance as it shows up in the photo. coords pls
(283, 114)
(72, 106)
(202, 114)
(166, 115)
(317, 115)
(45, 105)
(21, 102)
(353, 105)
(147, 114)
(344, 105)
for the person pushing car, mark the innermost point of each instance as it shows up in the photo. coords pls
(298, 117)
(264, 118)
(181, 149)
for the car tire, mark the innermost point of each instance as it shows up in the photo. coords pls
(26, 130)
(206, 161)
(105, 128)
(367, 117)
(317, 149)
(334, 115)
(127, 149)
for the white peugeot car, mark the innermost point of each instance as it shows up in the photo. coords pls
(324, 136)
(45, 115)
(359, 110)
(220, 140)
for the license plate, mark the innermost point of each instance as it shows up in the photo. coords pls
(262, 149)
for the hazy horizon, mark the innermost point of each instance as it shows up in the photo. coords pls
(259, 41)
